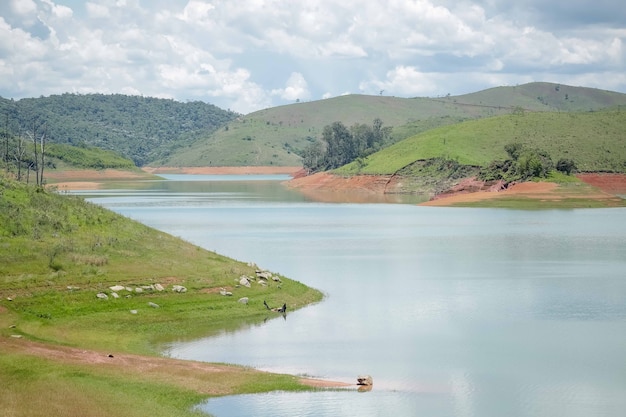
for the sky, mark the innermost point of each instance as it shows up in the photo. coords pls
(247, 55)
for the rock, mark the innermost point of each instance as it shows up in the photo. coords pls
(225, 293)
(264, 274)
(262, 282)
(17, 336)
(148, 287)
(72, 288)
(276, 279)
(159, 287)
(243, 300)
(179, 288)
(138, 290)
(13, 326)
(244, 281)
(117, 288)
(133, 311)
(129, 289)
(153, 305)
(102, 296)
(115, 295)
(9, 299)
(364, 380)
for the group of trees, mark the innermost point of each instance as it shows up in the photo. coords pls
(25, 152)
(525, 163)
(340, 145)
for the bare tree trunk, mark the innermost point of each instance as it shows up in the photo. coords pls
(42, 143)
(34, 138)
(19, 156)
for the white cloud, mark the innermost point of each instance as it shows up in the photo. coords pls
(238, 54)
(296, 88)
(95, 10)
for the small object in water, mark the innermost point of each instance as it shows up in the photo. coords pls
(364, 380)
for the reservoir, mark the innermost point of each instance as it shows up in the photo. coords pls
(452, 311)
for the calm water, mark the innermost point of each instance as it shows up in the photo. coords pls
(454, 312)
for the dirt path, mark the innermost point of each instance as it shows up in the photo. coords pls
(205, 378)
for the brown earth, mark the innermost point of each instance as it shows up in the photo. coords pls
(202, 377)
(323, 186)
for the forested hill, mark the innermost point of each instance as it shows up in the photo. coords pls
(143, 129)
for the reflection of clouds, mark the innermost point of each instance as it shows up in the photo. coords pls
(462, 394)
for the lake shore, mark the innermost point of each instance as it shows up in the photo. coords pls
(604, 187)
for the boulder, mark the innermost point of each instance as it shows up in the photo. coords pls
(243, 300)
(117, 288)
(115, 295)
(138, 290)
(225, 293)
(244, 281)
(159, 287)
(153, 305)
(102, 296)
(264, 274)
(179, 288)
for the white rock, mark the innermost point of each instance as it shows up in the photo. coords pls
(115, 295)
(179, 288)
(243, 300)
(244, 281)
(117, 288)
(138, 290)
(102, 296)
(133, 311)
(158, 287)
(153, 305)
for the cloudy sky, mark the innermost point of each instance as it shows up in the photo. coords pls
(246, 55)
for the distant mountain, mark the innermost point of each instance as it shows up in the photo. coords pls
(139, 128)
(161, 132)
(278, 135)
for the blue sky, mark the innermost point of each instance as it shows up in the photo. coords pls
(248, 55)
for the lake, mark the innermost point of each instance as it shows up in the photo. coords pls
(452, 311)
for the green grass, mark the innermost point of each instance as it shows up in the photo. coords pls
(594, 140)
(276, 136)
(57, 252)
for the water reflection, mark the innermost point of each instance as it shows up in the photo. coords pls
(472, 312)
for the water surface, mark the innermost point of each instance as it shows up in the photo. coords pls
(454, 312)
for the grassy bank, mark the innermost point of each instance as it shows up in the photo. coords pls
(57, 253)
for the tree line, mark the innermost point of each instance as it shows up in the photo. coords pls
(340, 145)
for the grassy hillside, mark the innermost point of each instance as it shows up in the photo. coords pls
(58, 252)
(594, 140)
(276, 136)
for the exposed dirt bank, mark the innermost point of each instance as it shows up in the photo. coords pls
(468, 190)
(266, 170)
(204, 378)
(609, 183)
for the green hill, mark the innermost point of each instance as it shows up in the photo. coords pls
(277, 136)
(139, 128)
(594, 140)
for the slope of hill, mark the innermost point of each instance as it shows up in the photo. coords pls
(277, 136)
(594, 140)
(139, 128)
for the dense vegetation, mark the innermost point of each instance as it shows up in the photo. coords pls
(340, 145)
(142, 129)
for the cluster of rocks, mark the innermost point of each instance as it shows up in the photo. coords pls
(116, 289)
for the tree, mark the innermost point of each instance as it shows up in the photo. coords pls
(566, 166)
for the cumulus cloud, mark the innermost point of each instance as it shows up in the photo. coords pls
(247, 55)
(296, 88)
